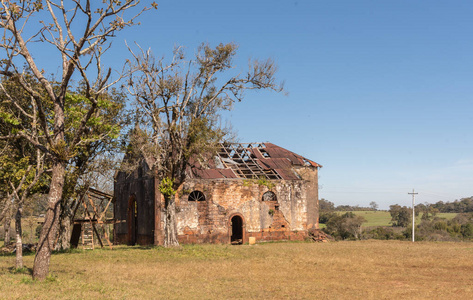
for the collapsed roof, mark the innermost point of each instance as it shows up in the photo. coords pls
(252, 161)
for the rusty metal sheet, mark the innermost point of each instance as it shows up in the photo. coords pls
(287, 175)
(256, 153)
(227, 173)
(214, 173)
(279, 152)
(276, 163)
(279, 161)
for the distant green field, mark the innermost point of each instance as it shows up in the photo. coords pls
(447, 216)
(383, 218)
(375, 218)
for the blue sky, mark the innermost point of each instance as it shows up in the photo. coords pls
(380, 92)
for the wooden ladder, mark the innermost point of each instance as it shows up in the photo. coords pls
(87, 236)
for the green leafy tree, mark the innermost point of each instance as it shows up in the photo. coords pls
(78, 32)
(463, 205)
(325, 205)
(21, 164)
(94, 156)
(428, 211)
(179, 105)
(400, 215)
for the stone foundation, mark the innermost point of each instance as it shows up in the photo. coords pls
(264, 236)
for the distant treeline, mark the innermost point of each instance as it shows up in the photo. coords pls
(348, 225)
(325, 205)
(463, 205)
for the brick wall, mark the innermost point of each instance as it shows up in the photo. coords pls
(210, 220)
(288, 217)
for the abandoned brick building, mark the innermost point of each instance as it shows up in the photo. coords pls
(248, 190)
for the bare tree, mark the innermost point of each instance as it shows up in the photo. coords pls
(179, 104)
(78, 32)
(374, 205)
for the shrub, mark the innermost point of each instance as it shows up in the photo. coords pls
(467, 230)
(345, 226)
(381, 233)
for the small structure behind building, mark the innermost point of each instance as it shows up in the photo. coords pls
(92, 222)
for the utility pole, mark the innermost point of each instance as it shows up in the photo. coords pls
(413, 213)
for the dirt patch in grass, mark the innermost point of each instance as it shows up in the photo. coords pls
(340, 270)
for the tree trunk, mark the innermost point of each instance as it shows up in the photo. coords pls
(49, 231)
(6, 208)
(170, 224)
(19, 243)
(64, 236)
(7, 226)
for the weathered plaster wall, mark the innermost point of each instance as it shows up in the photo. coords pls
(312, 190)
(209, 220)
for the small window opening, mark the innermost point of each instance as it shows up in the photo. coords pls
(276, 207)
(283, 226)
(269, 196)
(196, 196)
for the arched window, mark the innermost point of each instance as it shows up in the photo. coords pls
(196, 196)
(269, 196)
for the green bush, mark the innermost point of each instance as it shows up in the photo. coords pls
(383, 233)
(467, 230)
(345, 226)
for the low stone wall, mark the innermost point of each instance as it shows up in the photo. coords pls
(278, 235)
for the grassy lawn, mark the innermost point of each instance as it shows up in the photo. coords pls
(339, 270)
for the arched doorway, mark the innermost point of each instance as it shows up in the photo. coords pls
(236, 233)
(132, 220)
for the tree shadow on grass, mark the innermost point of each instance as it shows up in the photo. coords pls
(106, 248)
(12, 254)
(137, 247)
(24, 270)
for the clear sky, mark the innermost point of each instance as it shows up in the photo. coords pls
(380, 92)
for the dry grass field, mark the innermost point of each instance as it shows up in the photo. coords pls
(338, 270)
